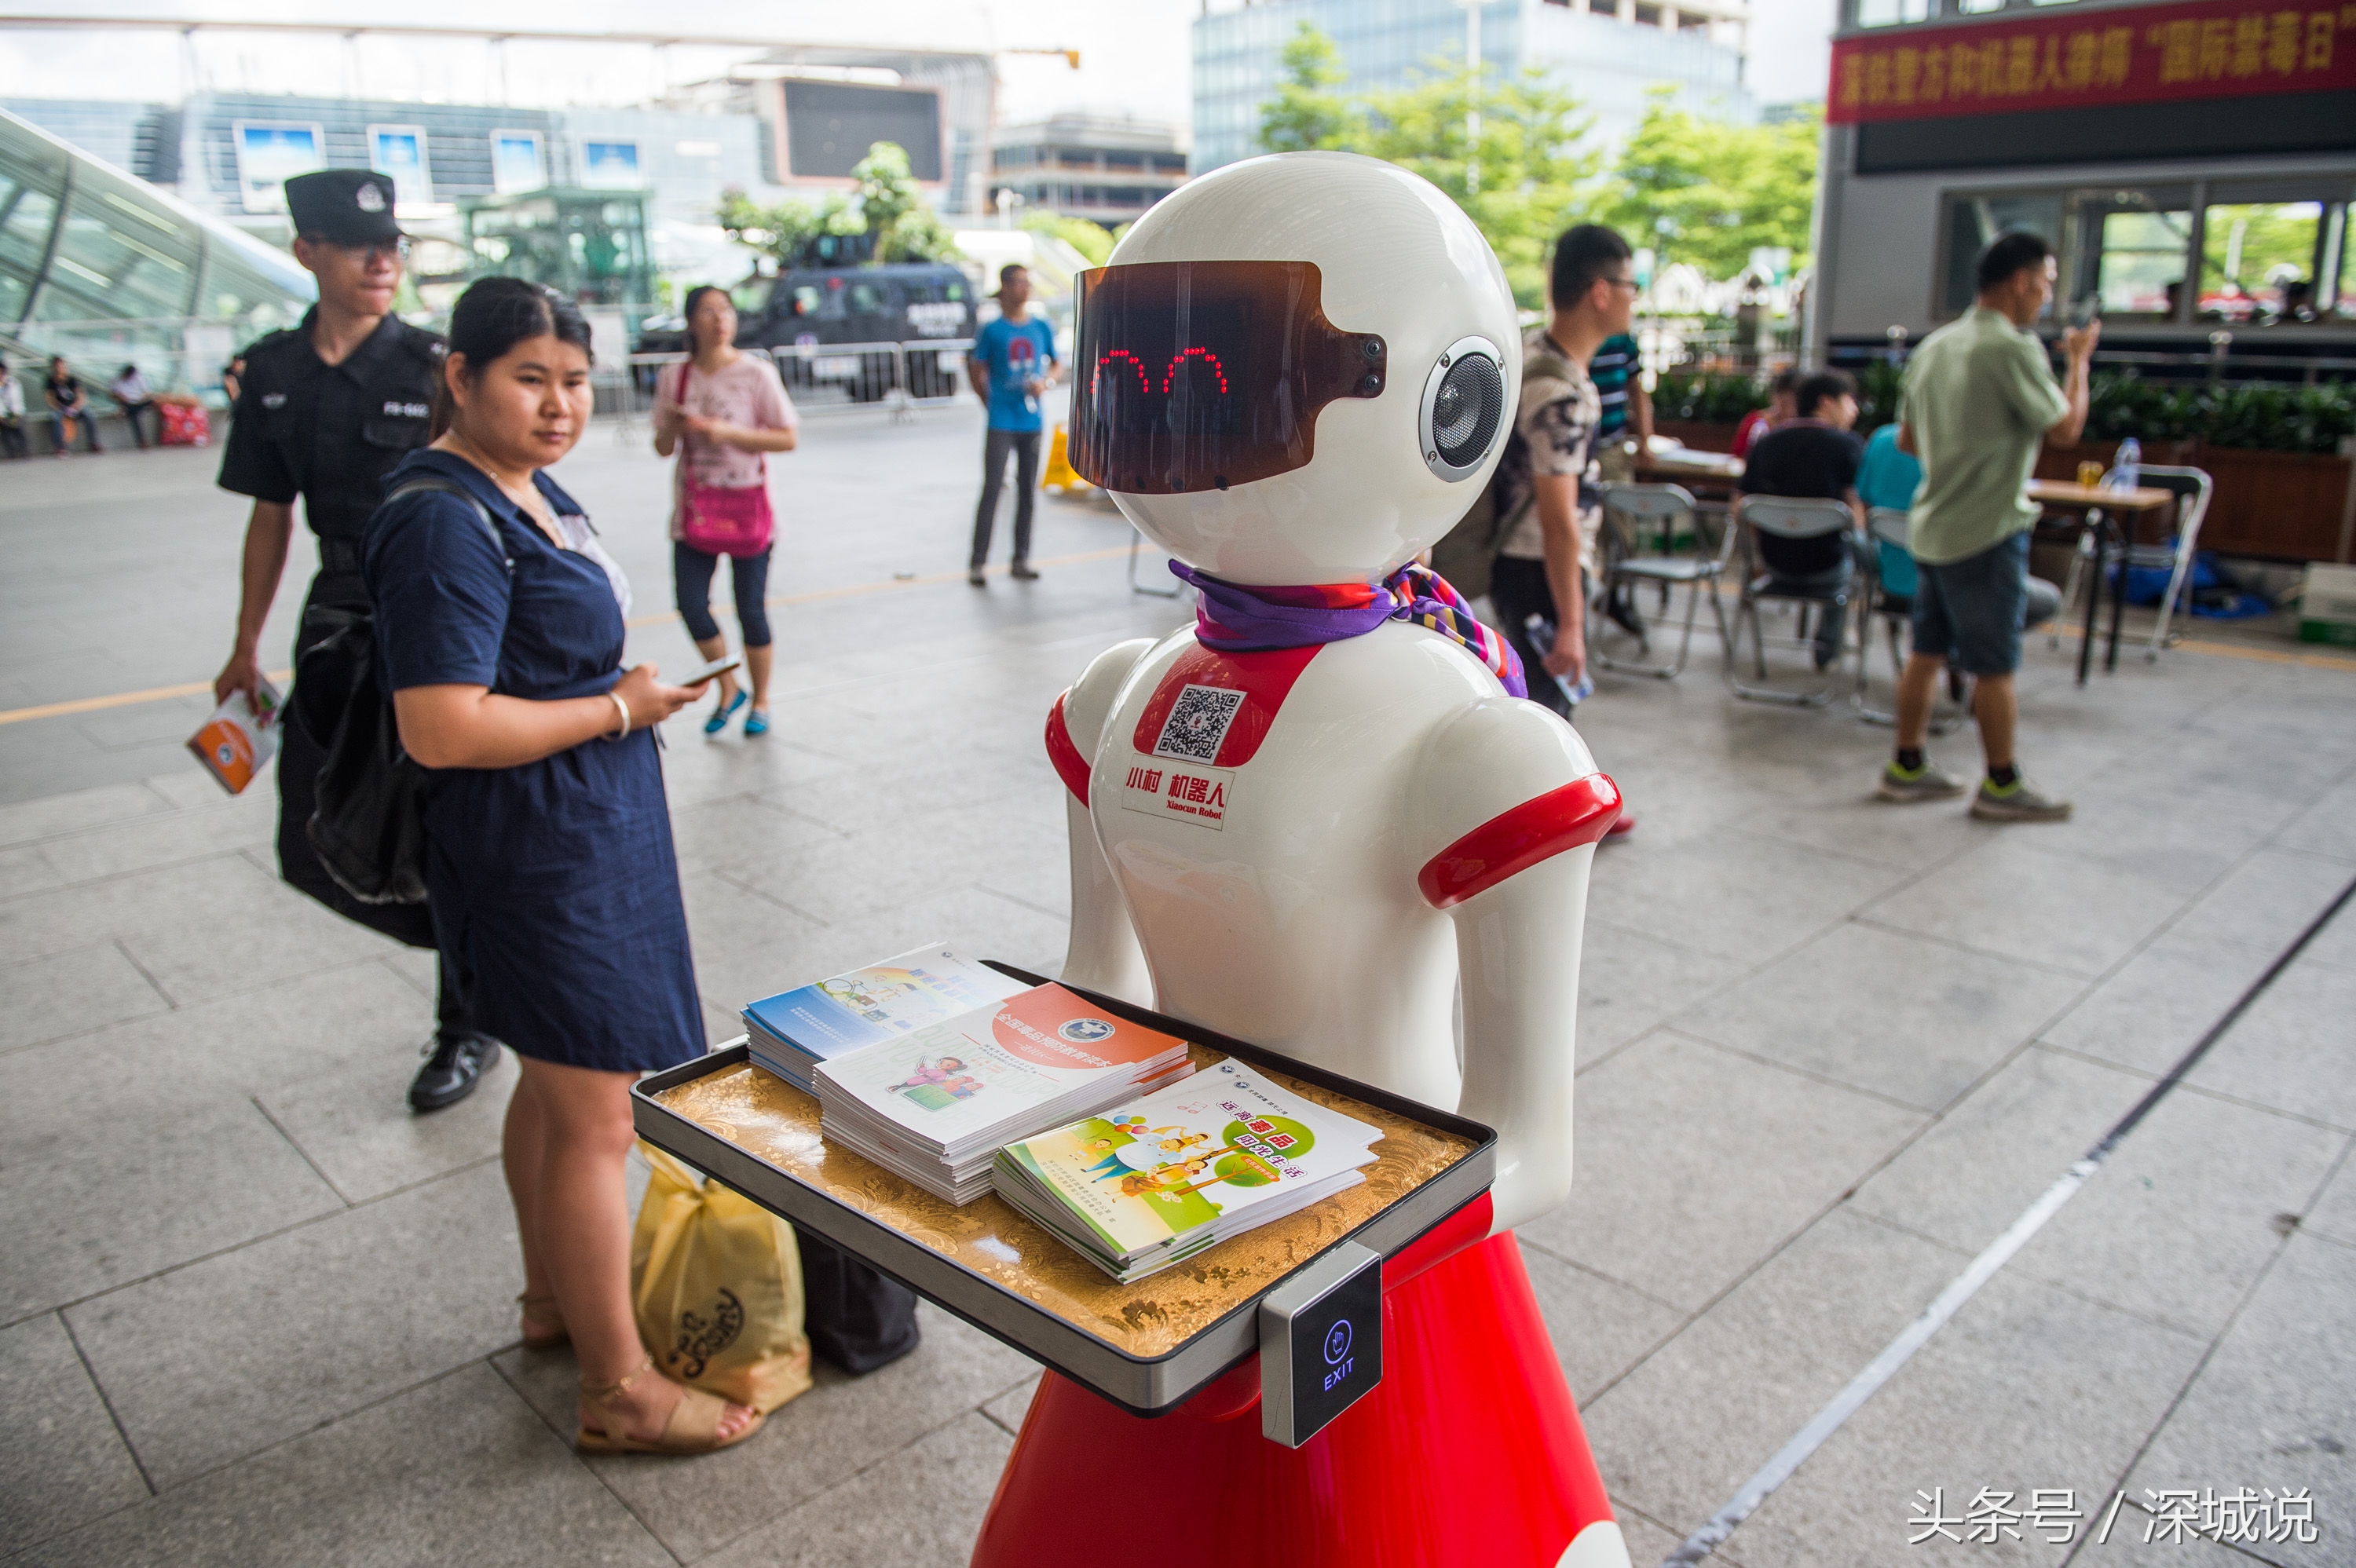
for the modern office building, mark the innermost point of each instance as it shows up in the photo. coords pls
(1610, 53)
(105, 267)
(1083, 165)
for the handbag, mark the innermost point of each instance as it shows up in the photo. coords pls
(716, 1287)
(368, 821)
(721, 519)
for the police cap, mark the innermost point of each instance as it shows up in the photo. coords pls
(349, 206)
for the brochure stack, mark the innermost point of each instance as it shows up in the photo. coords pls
(932, 1105)
(792, 1032)
(1153, 1181)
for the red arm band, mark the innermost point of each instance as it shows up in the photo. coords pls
(1069, 764)
(1580, 812)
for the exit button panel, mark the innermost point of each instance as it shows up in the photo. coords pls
(1320, 1343)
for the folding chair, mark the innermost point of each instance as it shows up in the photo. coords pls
(1640, 519)
(1887, 524)
(2192, 487)
(1137, 542)
(1788, 518)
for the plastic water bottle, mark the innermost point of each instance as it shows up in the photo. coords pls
(1541, 635)
(2125, 467)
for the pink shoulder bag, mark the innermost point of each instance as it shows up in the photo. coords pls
(720, 519)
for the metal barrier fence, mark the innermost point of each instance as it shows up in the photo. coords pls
(820, 378)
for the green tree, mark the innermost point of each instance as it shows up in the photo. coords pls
(1308, 115)
(1530, 175)
(886, 205)
(1090, 239)
(1707, 192)
(785, 229)
(904, 229)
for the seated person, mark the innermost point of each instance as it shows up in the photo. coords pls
(132, 395)
(1812, 455)
(1782, 405)
(1888, 478)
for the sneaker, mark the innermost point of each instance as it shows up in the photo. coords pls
(1929, 782)
(974, 576)
(2019, 801)
(1020, 572)
(454, 1063)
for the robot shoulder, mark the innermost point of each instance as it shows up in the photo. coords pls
(1076, 723)
(1496, 788)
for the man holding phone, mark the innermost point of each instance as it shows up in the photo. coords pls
(1980, 399)
(325, 412)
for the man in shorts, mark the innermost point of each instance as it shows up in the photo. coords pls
(1978, 400)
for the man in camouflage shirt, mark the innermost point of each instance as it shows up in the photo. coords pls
(1547, 497)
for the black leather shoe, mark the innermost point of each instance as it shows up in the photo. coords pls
(454, 1063)
(1020, 572)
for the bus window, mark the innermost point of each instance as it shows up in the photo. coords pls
(2129, 249)
(2260, 260)
(805, 301)
(1974, 220)
(867, 299)
(752, 296)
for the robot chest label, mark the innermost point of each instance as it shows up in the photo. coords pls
(1212, 709)
(1205, 720)
(1192, 794)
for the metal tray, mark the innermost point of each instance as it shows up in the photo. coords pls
(1148, 1346)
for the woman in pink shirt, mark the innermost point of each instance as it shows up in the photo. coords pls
(1783, 406)
(724, 411)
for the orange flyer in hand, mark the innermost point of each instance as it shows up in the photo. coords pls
(241, 735)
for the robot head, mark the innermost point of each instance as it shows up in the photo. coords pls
(1296, 369)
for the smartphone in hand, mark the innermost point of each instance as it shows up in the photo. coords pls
(711, 671)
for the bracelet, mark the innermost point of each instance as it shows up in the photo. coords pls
(625, 716)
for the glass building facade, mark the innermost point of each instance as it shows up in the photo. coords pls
(103, 266)
(1608, 55)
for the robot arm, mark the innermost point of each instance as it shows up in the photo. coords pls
(1103, 955)
(1505, 808)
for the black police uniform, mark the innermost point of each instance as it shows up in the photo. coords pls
(330, 434)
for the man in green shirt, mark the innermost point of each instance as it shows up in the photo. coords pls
(1980, 400)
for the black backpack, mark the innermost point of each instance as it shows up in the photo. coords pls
(368, 825)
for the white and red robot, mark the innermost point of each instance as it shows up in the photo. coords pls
(1294, 375)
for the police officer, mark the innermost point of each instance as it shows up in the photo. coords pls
(325, 412)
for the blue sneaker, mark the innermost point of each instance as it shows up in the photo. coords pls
(720, 716)
(756, 723)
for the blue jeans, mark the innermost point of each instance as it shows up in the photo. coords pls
(1972, 611)
(81, 416)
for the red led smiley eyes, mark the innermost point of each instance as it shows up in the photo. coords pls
(1144, 381)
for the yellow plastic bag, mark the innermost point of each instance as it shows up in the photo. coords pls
(716, 1282)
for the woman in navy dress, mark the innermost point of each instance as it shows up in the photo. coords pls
(549, 861)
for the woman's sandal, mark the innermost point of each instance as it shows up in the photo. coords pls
(693, 1426)
(539, 1312)
(723, 712)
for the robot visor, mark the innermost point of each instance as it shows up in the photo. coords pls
(1199, 375)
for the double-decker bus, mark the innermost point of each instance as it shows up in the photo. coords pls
(2193, 163)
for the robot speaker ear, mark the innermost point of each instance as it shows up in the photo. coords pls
(1464, 408)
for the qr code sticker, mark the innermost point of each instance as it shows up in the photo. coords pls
(1198, 721)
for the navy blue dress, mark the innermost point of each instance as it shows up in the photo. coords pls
(553, 885)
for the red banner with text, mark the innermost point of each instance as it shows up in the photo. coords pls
(2206, 49)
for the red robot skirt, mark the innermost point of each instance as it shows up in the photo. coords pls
(1469, 1452)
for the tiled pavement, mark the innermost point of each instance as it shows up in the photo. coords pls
(253, 1312)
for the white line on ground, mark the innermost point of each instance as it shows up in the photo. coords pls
(1899, 1350)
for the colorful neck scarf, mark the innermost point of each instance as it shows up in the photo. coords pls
(1236, 619)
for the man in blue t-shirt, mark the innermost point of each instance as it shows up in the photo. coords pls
(1013, 364)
